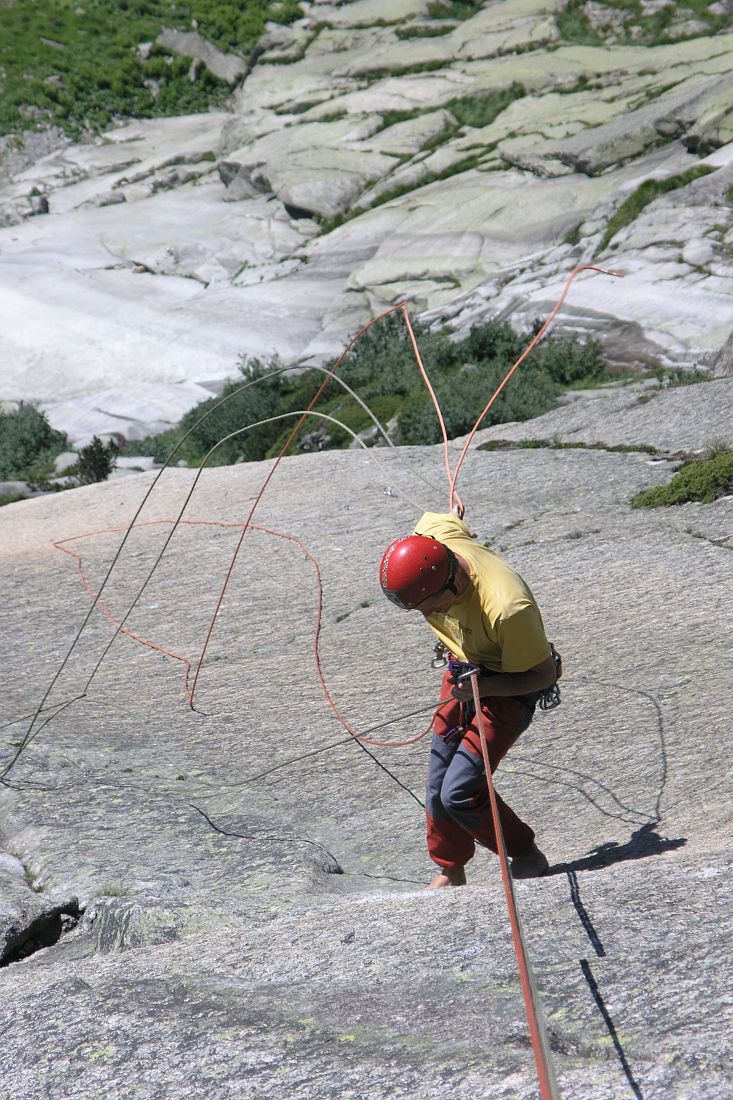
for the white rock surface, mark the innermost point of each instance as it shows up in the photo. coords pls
(155, 267)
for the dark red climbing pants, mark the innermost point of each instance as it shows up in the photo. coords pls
(457, 805)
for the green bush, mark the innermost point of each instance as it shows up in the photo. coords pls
(382, 370)
(251, 404)
(96, 461)
(382, 360)
(11, 498)
(703, 480)
(28, 442)
(569, 361)
(463, 397)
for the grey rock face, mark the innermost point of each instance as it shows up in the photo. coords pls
(226, 66)
(29, 921)
(251, 882)
(723, 363)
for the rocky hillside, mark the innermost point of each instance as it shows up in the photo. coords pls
(228, 901)
(463, 160)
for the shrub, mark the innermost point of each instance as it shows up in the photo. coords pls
(453, 9)
(251, 404)
(383, 362)
(96, 461)
(382, 370)
(703, 480)
(27, 442)
(463, 397)
(569, 361)
(11, 498)
(575, 26)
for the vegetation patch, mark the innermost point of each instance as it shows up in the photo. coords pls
(481, 110)
(557, 445)
(649, 190)
(28, 443)
(424, 30)
(29, 447)
(454, 9)
(381, 369)
(79, 66)
(572, 236)
(637, 25)
(703, 480)
(96, 461)
(575, 26)
(11, 498)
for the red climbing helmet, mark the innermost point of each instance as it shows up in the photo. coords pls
(415, 568)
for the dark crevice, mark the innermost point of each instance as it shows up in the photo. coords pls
(297, 212)
(45, 931)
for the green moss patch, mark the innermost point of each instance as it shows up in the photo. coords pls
(637, 25)
(556, 445)
(703, 480)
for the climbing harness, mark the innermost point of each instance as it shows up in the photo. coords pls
(546, 699)
(549, 697)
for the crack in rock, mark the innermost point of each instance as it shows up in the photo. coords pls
(44, 930)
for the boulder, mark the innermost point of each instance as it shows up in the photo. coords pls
(29, 920)
(722, 364)
(225, 66)
(64, 460)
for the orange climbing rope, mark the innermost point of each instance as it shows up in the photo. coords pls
(454, 499)
(150, 644)
(452, 479)
(533, 1007)
(548, 1084)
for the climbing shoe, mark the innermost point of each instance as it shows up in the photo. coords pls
(532, 865)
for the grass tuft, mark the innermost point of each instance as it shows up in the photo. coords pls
(647, 192)
(703, 480)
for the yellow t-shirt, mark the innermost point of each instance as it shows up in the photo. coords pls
(495, 622)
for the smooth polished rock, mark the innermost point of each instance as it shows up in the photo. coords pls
(253, 900)
(158, 265)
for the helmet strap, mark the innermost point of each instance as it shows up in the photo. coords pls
(450, 583)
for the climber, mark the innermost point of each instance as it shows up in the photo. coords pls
(485, 616)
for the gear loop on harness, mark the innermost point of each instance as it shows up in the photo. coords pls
(459, 669)
(549, 698)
